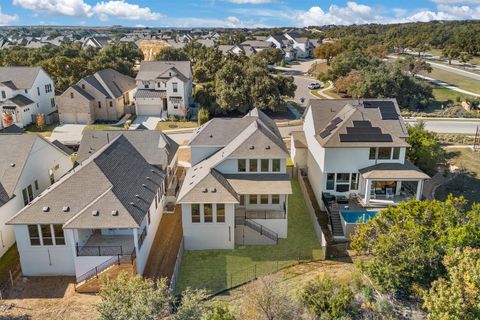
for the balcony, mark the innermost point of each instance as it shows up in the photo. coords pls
(103, 245)
(260, 214)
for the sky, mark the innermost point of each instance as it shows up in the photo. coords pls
(231, 13)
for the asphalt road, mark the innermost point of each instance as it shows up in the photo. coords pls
(447, 126)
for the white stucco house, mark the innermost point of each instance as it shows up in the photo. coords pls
(303, 47)
(164, 88)
(106, 211)
(283, 43)
(353, 152)
(25, 92)
(29, 164)
(236, 191)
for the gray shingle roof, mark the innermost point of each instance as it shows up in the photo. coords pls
(393, 171)
(115, 178)
(115, 82)
(150, 70)
(21, 100)
(97, 85)
(82, 92)
(142, 93)
(21, 77)
(157, 148)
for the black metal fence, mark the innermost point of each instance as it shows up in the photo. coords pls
(85, 251)
(95, 271)
(257, 227)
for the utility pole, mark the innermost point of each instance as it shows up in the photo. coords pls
(476, 141)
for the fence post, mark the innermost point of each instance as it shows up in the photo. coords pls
(254, 271)
(11, 277)
(96, 272)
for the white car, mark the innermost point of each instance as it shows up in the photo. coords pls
(314, 85)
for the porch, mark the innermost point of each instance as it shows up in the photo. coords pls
(101, 244)
(274, 213)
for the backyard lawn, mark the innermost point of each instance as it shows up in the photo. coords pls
(172, 125)
(467, 183)
(46, 131)
(216, 270)
(8, 262)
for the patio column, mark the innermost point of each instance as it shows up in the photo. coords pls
(368, 188)
(135, 240)
(399, 187)
(419, 190)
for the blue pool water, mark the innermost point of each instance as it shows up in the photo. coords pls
(355, 216)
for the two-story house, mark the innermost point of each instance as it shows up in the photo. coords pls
(103, 96)
(29, 164)
(164, 88)
(105, 212)
(236, 191)
(354, 153)
(24, 93)
(303, 47)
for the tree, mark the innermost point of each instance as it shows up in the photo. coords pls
(266, 299)
(128, 297)
(327, 299)
(268, 56)
(192, 306)
(350, 84)
(171, 54)
(378, 50)
(413, 66)
(425, 151)
(406, 244)
(219, 311)
(327, 51)
(202, 116)
(457, 296)
(230, 88)
(450, 53)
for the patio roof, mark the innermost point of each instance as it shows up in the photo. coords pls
(260, 183)
(395, 171)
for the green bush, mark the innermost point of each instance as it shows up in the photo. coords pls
(325, 298)
(203, 116)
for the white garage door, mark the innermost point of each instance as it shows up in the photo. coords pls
(148, 110)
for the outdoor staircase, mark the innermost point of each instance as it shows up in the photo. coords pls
(91, 281)
(250, 226)
(336, 223)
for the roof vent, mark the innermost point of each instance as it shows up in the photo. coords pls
(211, 135)
(114, 213)
(132, 203)
(252, 147)
(204, 190)
(46, 209)
(148, 178)
(144, 185)
(95, 213)
(12, 165)
(267, 147)
(66, 209)
(213, 190)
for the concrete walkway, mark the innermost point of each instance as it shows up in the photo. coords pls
(68, 134)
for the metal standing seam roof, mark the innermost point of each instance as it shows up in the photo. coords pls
(117, 178)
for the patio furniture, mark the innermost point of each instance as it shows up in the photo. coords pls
(389, 193)
(342, 200)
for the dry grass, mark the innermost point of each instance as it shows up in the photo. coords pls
(455, 79)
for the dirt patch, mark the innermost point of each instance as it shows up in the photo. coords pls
(47, 298)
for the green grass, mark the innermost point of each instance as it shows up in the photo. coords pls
(467, 183)
(332, 93)
(103, 127)
(455, 79)
(172, 125)
(8, 262)
(46, 131)
(217, 269)
(316, 94)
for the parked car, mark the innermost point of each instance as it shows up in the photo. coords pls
(314, 85)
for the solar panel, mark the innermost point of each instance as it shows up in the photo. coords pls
(364, 130)
(337, 120)
(330, 127)
(324, 134)
(389, 116)
(365, 138)
(362, 123)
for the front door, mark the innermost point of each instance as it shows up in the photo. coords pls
(164, 104)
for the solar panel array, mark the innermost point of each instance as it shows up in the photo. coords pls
(328, 130)
(362, 131)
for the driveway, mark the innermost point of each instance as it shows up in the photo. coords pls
(146, 121)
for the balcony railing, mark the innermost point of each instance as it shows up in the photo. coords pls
(85, 251)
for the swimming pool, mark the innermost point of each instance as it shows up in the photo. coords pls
(355, 216)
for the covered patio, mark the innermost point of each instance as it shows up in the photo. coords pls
(391, 183)
(104, 243)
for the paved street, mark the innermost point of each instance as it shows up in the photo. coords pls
(449, 126)
(302, 89)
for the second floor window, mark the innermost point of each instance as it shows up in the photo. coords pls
(253, 165)
(4, 95)
(175, 87)
(38, 90)
(276, 165)
(220, 212)
(195, 213)
(242, 165)
(207, 212)
(27, 194)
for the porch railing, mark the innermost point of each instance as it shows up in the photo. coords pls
(98, 250)
(272, 235)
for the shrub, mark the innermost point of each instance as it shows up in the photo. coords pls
(325, 297)
(203, 116)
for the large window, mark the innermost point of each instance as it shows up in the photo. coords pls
(264, 165)
(220, 212)
(343, 177)
(242, 165)
(276, 165)
(46, 234)
(34, 235)
(195, 213)
(396, 153)
(207, 212)
(384, 153)
(253, 199)
(330, 181)
(354, 182)
(253, 165)
(264, 199)
(275, 199)
(59, 236)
